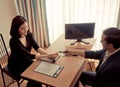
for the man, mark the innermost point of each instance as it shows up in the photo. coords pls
(107, 73)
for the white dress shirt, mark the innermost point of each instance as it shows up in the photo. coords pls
(107, 55)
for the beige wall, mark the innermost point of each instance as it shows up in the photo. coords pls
(7, 12)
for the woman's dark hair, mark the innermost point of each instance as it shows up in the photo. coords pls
(16, 23)
(112, 36)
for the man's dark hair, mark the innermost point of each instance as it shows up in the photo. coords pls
(16, 23)
(112, 36)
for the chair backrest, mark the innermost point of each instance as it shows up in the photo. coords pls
(8, 79)
(4, 55)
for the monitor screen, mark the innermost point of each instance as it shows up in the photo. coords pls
(79, 30)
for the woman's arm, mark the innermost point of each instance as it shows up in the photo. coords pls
(41, 51)
(35, 45)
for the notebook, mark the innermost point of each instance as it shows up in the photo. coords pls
(49, 69)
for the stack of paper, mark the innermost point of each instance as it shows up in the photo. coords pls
(50, 60)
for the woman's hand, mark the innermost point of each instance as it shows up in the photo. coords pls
(37, 56)
(53, 55)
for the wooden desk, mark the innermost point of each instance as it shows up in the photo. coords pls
(73, 66)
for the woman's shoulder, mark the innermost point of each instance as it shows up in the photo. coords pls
(13, 39)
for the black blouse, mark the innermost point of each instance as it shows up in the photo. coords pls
(21, 57)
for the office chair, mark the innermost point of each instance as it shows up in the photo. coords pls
(6, 76)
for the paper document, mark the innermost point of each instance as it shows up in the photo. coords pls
(49, 69)
(51, 60)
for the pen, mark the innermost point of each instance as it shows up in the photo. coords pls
(58, 71)
(57, 58)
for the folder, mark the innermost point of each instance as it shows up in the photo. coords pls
(49, 69)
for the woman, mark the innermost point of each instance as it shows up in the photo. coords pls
(21, 43)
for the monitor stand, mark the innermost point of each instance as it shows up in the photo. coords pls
(79, 40)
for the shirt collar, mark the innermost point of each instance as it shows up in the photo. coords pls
(109, 54)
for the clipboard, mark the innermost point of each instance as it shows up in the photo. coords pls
(49, 69)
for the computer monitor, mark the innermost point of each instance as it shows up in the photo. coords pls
(79, 31)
